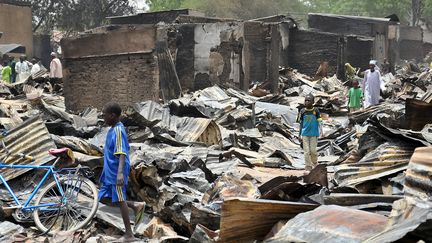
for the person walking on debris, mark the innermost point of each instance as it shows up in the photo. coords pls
(35, 68)
(12, 65)
(56, 69)
(371, 85)
(6, 72)
(310, 129)
(22, 69)
(116, 169)
(322, 71)
(355, 96)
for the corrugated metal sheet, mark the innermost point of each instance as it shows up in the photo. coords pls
(11, 48)
(331, 224)
(410, 221)
(418, 177)
(198, 130)
(385, 160)
(154, 114)
(31, 138)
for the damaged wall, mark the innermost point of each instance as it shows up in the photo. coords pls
(226, 39)
(12, 13)
(116, 66)
(358, 51)
(307, 49)
(410, 42)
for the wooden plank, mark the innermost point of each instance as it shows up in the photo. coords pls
(245, 220)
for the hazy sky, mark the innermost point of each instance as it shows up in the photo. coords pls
(140, 3)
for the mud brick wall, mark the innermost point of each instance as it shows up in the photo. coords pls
(126, 79)
(308, 48)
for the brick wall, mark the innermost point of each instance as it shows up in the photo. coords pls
(126, 79)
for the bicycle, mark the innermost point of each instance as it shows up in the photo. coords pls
(67, 203)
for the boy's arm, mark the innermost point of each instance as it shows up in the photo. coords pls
(120, 176)
(319, 119)
(300, 120)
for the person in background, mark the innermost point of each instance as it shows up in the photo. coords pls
(385, 67)
(12, 65)
(35, 68)
(322, 71)
(116, 169)
(56, 69)
(6, 72)
(22, 69)
(310, 129)
(371, 85)
(350, 71)
(355, 96)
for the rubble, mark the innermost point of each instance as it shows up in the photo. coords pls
(202, 161)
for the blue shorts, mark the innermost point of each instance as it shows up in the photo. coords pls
(116, 193)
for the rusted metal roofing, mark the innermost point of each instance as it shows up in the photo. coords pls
(198, 130)
(418, 177)
(31, 138)
(331, 224)
(385, 160)
(410, 221)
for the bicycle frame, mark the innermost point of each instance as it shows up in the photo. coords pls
(26, 206)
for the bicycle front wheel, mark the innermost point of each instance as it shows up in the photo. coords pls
(70, 211)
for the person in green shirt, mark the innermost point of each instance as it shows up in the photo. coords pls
(355, 96)
(6, 72)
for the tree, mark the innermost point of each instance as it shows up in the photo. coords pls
(74, 16)
(159, 5)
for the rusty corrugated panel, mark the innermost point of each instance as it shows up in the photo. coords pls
(198, 130)
(31, 138)
(417, 114)
(385, 160)
(331, 224)
(418, 177)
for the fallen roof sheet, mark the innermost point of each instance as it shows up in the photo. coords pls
(418, 177)
(198, 130)
(11, 48)
(31, 138)
(385, 160)
(331, 224)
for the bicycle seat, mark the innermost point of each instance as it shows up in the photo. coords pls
(65, 153)
(59, 151)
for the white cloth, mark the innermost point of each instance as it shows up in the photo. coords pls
(35, 69)
(371, 87)
(23, 71)
(56, 69)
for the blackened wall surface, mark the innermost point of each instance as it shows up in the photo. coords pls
(359, 51)
(307, 49)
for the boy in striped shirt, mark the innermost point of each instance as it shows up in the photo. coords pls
(116, 169)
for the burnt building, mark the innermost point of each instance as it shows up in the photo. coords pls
(160, 60)
(111, 64)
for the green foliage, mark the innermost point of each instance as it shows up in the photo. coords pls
(76, 15)
(159, 5)
(249, 9)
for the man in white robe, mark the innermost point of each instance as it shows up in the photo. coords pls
(371, 85)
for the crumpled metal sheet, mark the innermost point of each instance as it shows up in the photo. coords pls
(415, 114)
(331, 224)
(410, 221)
(7, 231)
(385, 160)
(31, 138)
(418, 177)
(77, 144)
(198, 130)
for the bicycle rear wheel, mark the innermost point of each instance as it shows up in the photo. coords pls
(74, 210)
